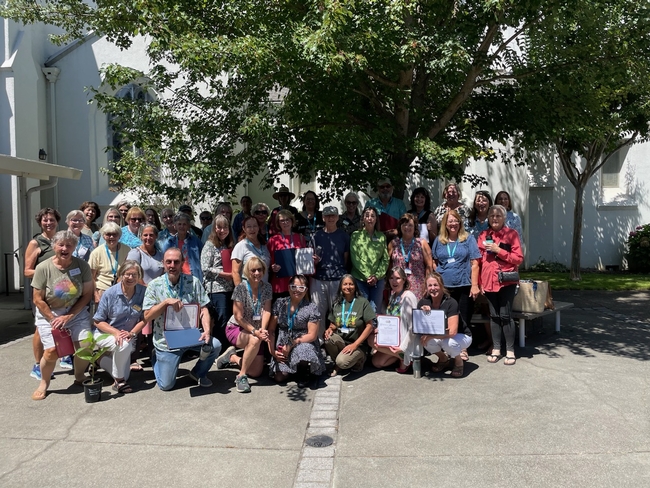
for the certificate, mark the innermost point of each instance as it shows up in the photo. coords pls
(186, 318)
(388, 331)
(430, 323)
(294, 261)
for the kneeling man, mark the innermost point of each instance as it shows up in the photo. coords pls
(176, 289)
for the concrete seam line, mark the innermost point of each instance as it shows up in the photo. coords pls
(2, 346)
(316, 464)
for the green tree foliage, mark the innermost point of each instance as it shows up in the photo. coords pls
(586, 111)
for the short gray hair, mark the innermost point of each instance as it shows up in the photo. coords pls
(73, 213)
(112, 228)
(499, 208)
(64, 236)
(127, 265)
(182, 216)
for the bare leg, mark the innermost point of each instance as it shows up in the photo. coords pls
(37, 346)
(48, 361)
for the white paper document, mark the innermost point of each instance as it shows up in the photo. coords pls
(186, 318)
(388, 331)
(430, 323)
(305, 261)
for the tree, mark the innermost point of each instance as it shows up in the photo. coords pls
(587, 112)
(337, 90)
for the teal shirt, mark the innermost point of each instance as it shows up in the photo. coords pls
(369, 255)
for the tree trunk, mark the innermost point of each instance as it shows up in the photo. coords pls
(576, 244)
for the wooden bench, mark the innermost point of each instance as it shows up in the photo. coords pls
(523, 316)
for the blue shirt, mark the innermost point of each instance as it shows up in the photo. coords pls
(85, 246)
(119, 312)
(333, 246)
(192, 247)
(458, 272)
(129, 238)
(395, 208)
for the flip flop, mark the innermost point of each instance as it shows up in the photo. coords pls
(510, 361)
(463, 354)
(39, 395)
(494, 358)
(136, 367)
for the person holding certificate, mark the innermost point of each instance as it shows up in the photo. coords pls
(397, 344)
(251, 244)
(120, 315)
(351, 321)
(295, 320)
(248, 327)
(458, 336)
(164, 300)
(281, 241)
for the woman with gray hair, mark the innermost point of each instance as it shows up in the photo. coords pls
(85, 245)
(350, 220)
(63, 288)
(111, 215)
(190, 245)
(500, 253)
(106, 259)
(120, 315)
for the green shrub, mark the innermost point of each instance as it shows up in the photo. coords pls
(543, 266)
(638, 249)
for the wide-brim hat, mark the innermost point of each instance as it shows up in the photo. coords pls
(284, 191)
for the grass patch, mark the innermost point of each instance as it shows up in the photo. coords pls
(592, 281)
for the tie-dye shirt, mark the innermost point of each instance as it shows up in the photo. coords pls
(62, 288)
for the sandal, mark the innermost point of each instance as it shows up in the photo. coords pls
(510, 361)
(136, 367)
(403, 369)
(440, 366)
(494, 358)
(122, 388)
(457, 372)
(39, 395)
(463, 355)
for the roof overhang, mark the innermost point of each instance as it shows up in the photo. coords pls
(36, 169)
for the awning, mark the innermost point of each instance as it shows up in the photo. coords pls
(36, 169)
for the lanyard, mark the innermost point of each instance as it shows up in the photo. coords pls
(259, 252)
(451, 252)
(407, 257)
(290, 244)
(256, 305)
(344, 316)
(420, 215)
(292, 317)
(171, 290)
(110, 258)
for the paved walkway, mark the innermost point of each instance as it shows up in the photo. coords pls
(572, 412)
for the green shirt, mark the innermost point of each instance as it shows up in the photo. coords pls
(369, 255)
(355, 319)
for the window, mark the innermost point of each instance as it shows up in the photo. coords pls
(611, 170)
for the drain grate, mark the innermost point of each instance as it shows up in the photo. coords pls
(319, 441)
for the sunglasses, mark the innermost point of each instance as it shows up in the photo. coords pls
(206, 218)
(77, 221)
(256, 270)
(299, 288)
(385, 187)
(136, 219)
(352, 203)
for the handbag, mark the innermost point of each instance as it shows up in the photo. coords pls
(63, 342)
(508, 276)
(531, 297)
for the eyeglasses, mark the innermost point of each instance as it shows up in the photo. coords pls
(352, 203)
(299, 288)
(77, 221)
(261, 212)
(110, 234)
(136, 219)
(131, 275)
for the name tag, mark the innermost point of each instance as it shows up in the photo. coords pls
(137, 308)
(451, 260)
(257, 317)
(345, 330)
(408, 271)
(75, 272)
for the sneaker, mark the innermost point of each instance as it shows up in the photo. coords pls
(224, 360)
(242, 384)
(36, 372)
(204, 382)
(66, 362)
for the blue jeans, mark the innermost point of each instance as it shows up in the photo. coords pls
(165, 364)
(374, 294)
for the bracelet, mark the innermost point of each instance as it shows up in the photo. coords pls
(253, 331)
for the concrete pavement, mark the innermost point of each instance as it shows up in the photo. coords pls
(573, 411)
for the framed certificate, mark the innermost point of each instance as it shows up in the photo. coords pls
(432, 322)
(388, 331)
(186, 318)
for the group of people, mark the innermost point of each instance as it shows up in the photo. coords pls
(281, 287)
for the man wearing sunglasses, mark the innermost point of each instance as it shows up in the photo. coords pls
(390, 209)
(176, 289)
